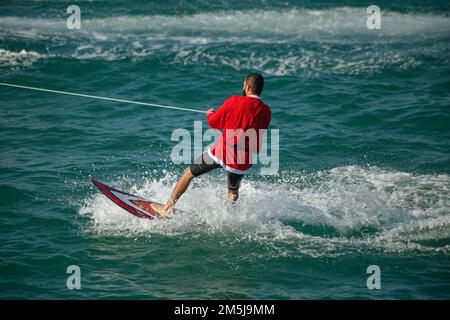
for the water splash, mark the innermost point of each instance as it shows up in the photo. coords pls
(21, 58)
(327, 213)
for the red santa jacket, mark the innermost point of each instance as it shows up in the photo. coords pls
(241, 120)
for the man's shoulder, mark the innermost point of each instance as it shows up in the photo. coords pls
(244, 99)
(265, 106)
(231, 100)
(234, 98)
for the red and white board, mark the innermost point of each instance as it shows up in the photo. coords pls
(133, 204)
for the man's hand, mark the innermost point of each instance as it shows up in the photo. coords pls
(210, 111)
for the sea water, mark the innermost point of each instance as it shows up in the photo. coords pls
(364, 175)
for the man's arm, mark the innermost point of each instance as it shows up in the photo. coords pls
(268, 119)
(265, 125)
(217, 119)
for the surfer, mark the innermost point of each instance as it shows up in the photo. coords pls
(242, 120)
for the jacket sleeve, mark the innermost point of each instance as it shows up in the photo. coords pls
(268, 119)
(218, 119)
(265, 125)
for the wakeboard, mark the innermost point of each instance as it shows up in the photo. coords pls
(135, 205)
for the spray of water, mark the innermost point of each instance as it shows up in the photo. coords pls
(326, 213)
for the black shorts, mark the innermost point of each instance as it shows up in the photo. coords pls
(204, 163)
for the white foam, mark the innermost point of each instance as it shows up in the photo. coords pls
(276, 42)
(287, 22)
(368, 209)
(21, 58)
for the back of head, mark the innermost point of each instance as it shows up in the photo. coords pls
(256, 83)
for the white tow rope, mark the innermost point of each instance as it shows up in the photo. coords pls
(100, 98)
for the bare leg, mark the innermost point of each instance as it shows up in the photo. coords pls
(180, 188)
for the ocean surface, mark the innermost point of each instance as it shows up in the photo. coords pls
(364, 123)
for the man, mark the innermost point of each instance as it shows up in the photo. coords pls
(241, 119)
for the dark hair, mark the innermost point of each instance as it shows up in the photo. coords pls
(256, 82)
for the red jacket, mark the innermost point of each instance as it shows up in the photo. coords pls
(241, 119)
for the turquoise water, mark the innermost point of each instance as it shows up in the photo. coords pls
(364, 150)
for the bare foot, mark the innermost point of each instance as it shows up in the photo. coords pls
(233, 196)
(162, 211)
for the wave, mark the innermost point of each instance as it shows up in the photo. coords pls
(326, 213)
(278, 43)
(313, 61)
(288, 22)
(321, 60)
(21, 58)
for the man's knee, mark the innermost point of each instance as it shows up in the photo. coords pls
(188, 174)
